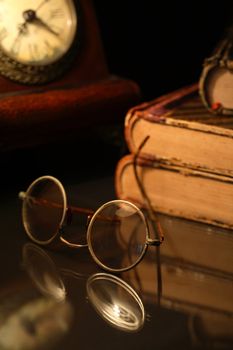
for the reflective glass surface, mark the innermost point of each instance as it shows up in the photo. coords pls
(179, 296)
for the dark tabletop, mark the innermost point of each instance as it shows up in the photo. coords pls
(65, 301)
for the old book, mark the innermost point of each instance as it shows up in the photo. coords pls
(179, 191)
(216, 80)
(182, 132)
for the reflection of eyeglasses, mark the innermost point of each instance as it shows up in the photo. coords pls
(117, 232)
(113, 299)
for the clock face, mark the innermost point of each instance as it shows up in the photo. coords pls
(35, 33)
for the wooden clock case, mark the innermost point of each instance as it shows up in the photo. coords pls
(86, 95)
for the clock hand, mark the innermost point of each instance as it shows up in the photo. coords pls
(28, 16)
(41, 23)
(31, 17)
(41, 4)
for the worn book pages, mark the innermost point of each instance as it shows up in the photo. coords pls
(178, 191)
(182, 132)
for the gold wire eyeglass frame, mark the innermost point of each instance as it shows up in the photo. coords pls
(58, 239)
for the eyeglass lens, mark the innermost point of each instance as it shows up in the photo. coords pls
(43, 209)
(117, 235)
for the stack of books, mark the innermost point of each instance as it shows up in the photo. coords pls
(186, 165)
(182, 151)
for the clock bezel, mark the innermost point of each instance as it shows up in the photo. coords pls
(29, 74)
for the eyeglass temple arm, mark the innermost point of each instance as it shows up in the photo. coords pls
(71, 209)
(23, 195)
(154, 219)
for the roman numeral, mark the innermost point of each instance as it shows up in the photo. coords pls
(33, 49)
(56, 13)
(16, 47)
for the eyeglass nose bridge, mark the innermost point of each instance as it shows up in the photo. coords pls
(69, 216)
(66, 242)
(88, 220)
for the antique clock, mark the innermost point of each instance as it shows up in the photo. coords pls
(54, 79)
(38, 39)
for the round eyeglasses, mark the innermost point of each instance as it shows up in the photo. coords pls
(117, 234)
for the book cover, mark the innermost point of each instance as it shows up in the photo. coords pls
(182, 132)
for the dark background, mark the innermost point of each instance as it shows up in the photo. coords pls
(161, 44)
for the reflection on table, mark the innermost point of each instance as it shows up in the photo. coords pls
(196, 268)
(114, 299)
